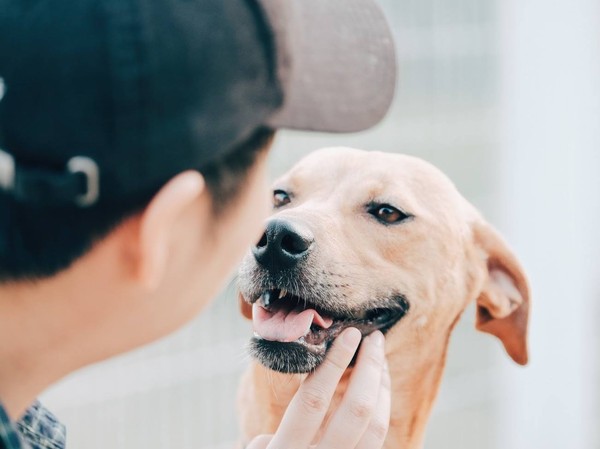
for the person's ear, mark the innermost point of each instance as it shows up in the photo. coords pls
(245, 308)
(503, 302)
(157, 224)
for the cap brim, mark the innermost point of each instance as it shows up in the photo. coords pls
(336, 61)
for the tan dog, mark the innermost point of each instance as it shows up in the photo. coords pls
(375, 241)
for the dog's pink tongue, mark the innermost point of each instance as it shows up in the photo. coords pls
(284, 325)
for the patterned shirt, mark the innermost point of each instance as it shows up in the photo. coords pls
(37, 429)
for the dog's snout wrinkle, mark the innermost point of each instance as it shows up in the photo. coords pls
(283, 244)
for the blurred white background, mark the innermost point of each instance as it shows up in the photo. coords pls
(504, 96)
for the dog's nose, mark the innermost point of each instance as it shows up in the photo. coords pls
(283, 244)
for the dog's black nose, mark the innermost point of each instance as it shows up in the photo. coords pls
(283, 244)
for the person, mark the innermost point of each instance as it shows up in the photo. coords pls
(133, 144)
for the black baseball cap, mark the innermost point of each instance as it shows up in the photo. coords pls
(100, 99)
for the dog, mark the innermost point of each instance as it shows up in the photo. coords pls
(375, 241)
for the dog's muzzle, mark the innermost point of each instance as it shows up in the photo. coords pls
(297, 314)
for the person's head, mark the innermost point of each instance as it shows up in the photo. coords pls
(133, 138)
(168, 249)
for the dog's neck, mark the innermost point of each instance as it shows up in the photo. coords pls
(415, 379)
(415, 383)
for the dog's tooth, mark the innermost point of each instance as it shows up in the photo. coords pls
(282, 293)
(266, 298)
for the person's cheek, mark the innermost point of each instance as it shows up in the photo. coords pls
(259, 207)
(254, 222)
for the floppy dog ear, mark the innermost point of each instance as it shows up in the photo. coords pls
(245, 308)
(503, 303)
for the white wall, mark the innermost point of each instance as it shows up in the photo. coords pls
(550, 203)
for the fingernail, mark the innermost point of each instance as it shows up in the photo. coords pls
(377, 338)
(351, 337)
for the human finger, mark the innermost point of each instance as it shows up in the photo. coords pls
(307, 410)
(377, 430)
(353, 416)
(260, 442)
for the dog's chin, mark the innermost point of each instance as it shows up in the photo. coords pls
(288, 358)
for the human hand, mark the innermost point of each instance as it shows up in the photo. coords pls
(362, 419)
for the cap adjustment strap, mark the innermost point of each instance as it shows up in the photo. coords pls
(7, 171)
(78, 184)
(89, 168)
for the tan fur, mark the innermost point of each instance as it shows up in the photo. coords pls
(441, 260)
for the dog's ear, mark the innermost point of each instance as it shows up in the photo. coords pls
(245, 308)
(503, 303)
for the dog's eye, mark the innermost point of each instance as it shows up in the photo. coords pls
(280, 198)
(387, 214)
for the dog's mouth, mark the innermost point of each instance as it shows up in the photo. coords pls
(292, 334)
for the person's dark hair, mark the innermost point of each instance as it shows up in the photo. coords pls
(39, 242)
